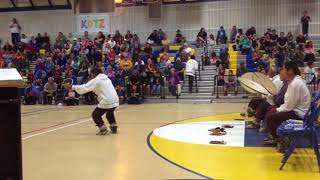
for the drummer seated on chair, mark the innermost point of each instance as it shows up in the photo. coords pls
(263, 105)
(296, 102)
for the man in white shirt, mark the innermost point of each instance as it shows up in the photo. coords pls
(296, 101)
(108, 99)
(191, 68)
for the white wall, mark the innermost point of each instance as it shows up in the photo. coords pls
(38, 21)
(284, 15)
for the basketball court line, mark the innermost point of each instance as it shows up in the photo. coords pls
(51, 109)
(56, 125)
(85, 120)
(55, 129)
(37, 111)
(176, 164)
(48, 129)
(169, 161)
(75, 122)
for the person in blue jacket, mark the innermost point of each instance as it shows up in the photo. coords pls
(221, 36)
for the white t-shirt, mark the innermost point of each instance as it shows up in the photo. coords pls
(105, 48)
(71, 94)
(168, 63)
(191, 67)
(14, 28)
(297, 98)
(137, 63)
(211, 42)
(111, 43)
(25, 40)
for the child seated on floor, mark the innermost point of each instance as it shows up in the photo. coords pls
(230, 83)
(71, 98)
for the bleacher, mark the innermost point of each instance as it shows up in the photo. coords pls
(173, 49)
(205, 85)
(233, 59)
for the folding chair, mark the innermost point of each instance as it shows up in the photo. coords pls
(295, 130)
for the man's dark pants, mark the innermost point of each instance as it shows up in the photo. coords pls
(99, 112)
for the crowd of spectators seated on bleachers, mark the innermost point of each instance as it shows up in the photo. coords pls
(127, 60)
(268, 52)
(122, 57)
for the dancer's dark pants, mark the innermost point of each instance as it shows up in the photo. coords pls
(98, 113)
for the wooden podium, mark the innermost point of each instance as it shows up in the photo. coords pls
(10, 125)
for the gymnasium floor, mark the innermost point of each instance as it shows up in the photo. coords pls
(59, 143)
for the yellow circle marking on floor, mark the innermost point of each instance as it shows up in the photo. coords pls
(235, 163)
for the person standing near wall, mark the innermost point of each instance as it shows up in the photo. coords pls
(305, 24)
(191, 68)
(15, 30)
